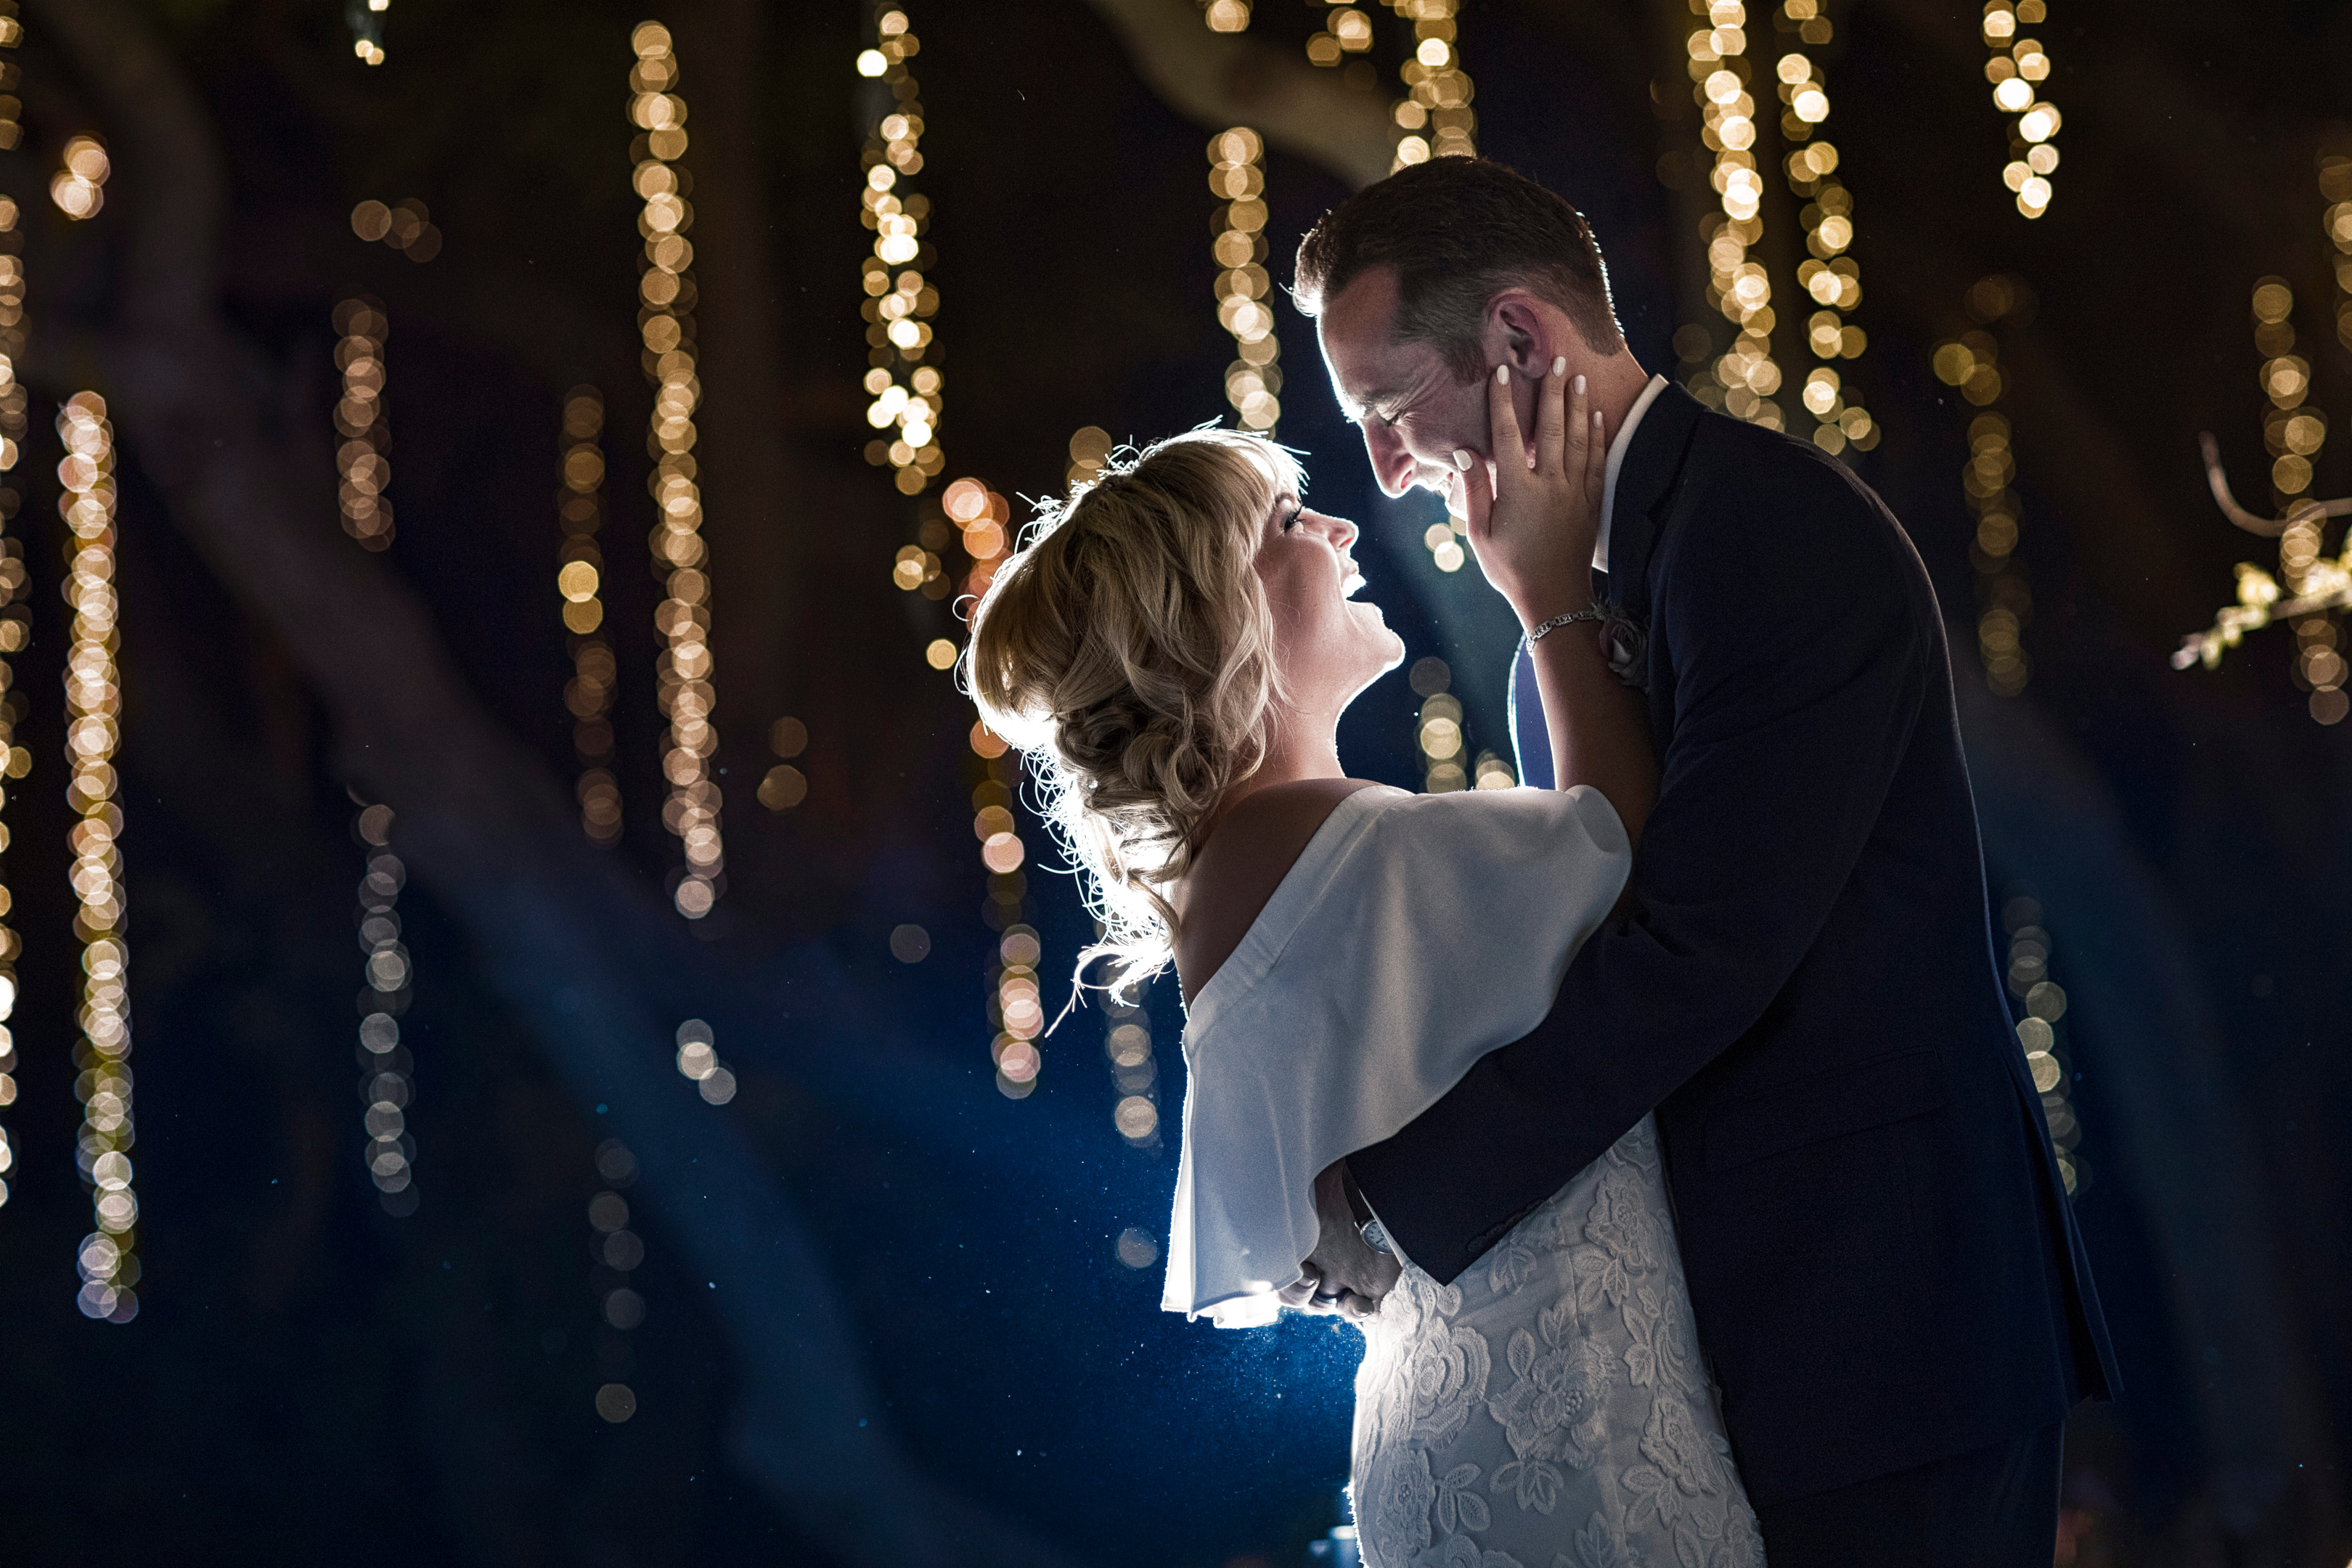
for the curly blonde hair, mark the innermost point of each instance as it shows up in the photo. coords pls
(1128, 650)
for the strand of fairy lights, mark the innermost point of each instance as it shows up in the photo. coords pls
(360, 419)
(387, 1075)
(1015, 1006)
(366, 18)
(580, 507)
(1971, 363)
(617, 1251)
(1437, 90)
(2016, 64)
(2027, 972)
(1346, 31)
(666, 324)
(14, 625)
(79, 187)
(2318, 588)
(900, 299)
(1829, 275)
(1743, 380)
(2294, 432)
(1254, 379)
(93, 704)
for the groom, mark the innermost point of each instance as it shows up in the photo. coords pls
(1886, 1274)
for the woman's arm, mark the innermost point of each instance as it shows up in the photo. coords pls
(1534, 527)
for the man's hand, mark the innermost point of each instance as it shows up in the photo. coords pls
(1342, 1274)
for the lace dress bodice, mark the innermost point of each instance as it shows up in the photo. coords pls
(1550, 1409)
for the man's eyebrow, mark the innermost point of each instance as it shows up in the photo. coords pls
(1369, 402)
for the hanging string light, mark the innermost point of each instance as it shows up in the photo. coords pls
(1971, 363)
(2016, 64)
(2028, 976)
(360, 419)
(899, 300)
(1832, 277)
(406, 227)
(2336, 222)
(94, 704)
(666, 324)
(617, 1251)
(2293, 431)
(1742, 382)
(2316, 588)
(15, 625)
(79, 187)
(1434, 114)
(366, 20)
(1126, 1044)
(1254, 379)
(579, 507)
(1014, 1009)
(387, 1075)
(1346, 31)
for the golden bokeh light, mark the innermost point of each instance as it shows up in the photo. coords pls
(406, 227)
(2016, 64)
(79, 187)
(16, 622)
(1970, 364)
(108, 1265)
(1433, 119)
(616, 1251)
(2028, 976)
(596, 673)
(1243, 288)
(363, 420)
(899, 298)
(1744, 380)
(1829, 276)
(665, 323)
(387, 1074)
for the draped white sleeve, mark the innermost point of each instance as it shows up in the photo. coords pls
(1415, 933)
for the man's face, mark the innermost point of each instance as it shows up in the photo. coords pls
(1414, 414)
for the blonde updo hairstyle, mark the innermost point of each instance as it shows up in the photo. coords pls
(1128, 650)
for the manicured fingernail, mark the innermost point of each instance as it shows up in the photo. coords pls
(1596, 419)
(1579, 383)
(1503, 374)
(1559, 367)
(1461, 459)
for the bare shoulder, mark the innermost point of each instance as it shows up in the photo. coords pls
(1244, 862)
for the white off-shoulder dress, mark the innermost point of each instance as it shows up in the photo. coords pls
(1549, 1408)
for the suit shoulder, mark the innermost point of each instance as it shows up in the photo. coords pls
(1745, 488)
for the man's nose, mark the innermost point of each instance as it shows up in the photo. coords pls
(1391, 464)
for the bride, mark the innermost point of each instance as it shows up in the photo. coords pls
(1173, 650)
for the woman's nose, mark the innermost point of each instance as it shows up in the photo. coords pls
(1343, 533)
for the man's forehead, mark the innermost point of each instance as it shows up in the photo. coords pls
(1357, 330)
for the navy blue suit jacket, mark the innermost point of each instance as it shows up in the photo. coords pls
(1882, 1258)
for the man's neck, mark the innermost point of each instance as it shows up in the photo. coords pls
(1613, 386)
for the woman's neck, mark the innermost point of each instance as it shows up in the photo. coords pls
(1300, 746)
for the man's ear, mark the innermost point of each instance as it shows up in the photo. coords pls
(1525, 336)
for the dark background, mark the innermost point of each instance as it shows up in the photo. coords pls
(879, 1292)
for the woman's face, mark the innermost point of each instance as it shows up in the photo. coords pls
(1328, 646)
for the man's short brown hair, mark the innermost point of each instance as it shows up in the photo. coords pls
(1458, 231)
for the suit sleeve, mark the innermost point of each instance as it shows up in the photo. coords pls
(1803, 640)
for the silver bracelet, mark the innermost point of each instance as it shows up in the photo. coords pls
(1597, 612)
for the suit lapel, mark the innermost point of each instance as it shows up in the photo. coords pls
(1654, 462)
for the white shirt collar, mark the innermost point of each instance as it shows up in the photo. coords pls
(1624, 438)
